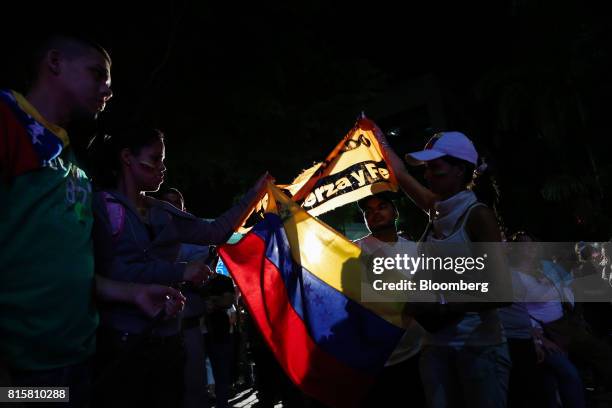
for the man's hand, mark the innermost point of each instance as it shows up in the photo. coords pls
(152, 299)
(197, 272)
(543, 346)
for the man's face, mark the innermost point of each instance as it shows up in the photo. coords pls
(379, 215)
(86, 81)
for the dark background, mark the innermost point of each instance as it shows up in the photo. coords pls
(240, 88)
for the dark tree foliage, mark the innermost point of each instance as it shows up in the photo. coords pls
(243, 88)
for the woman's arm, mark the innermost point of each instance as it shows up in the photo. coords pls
(197, 231)
(482, 225)
(423, 197)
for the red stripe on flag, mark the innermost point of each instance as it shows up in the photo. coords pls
(316, 372)
(17, 155)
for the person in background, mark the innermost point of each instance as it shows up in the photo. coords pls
(402, 369)
(219, 334)
(591, 285)
(195, 308)
(527, 348)
(543, 300)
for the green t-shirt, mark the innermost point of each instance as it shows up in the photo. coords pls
(47, 313)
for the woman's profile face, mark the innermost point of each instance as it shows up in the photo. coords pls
(443, 178)
(147, 167)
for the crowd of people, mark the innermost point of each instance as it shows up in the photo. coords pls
(108, 285)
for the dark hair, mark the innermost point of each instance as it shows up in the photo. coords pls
(384, 196)
(522, 234)
(72, 44)
(170, 190)
(515, 252)
(219, 284)
(104, 151)
(482, 183)
(585, 250)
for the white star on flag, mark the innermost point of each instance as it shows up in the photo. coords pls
(36, 130)
(10, 96)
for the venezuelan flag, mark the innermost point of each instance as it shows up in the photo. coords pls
(356, 168)
(301, 281)
(38, 141)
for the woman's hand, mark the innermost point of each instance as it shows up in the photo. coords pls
(152, 299)
(394, 161)
(421, 195)
(262, 181)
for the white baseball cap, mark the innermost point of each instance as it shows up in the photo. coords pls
(454, 144)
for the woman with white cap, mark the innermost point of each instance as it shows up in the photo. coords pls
(465, 360)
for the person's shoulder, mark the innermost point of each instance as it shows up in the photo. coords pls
(523, 277)
(363, 240)
(481, 211)
(405, 241)
(154, 202)
(17, 152)
(405, 246)
(108, 197)
(482, 225)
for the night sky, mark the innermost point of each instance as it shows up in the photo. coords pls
(240, 88)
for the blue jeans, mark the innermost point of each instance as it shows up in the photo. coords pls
(560, 374)
(468, 376)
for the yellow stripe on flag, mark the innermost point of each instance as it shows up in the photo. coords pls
(328, 255)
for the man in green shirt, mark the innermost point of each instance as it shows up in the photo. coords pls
(48, 317)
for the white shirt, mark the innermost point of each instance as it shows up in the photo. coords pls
(411, 341)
